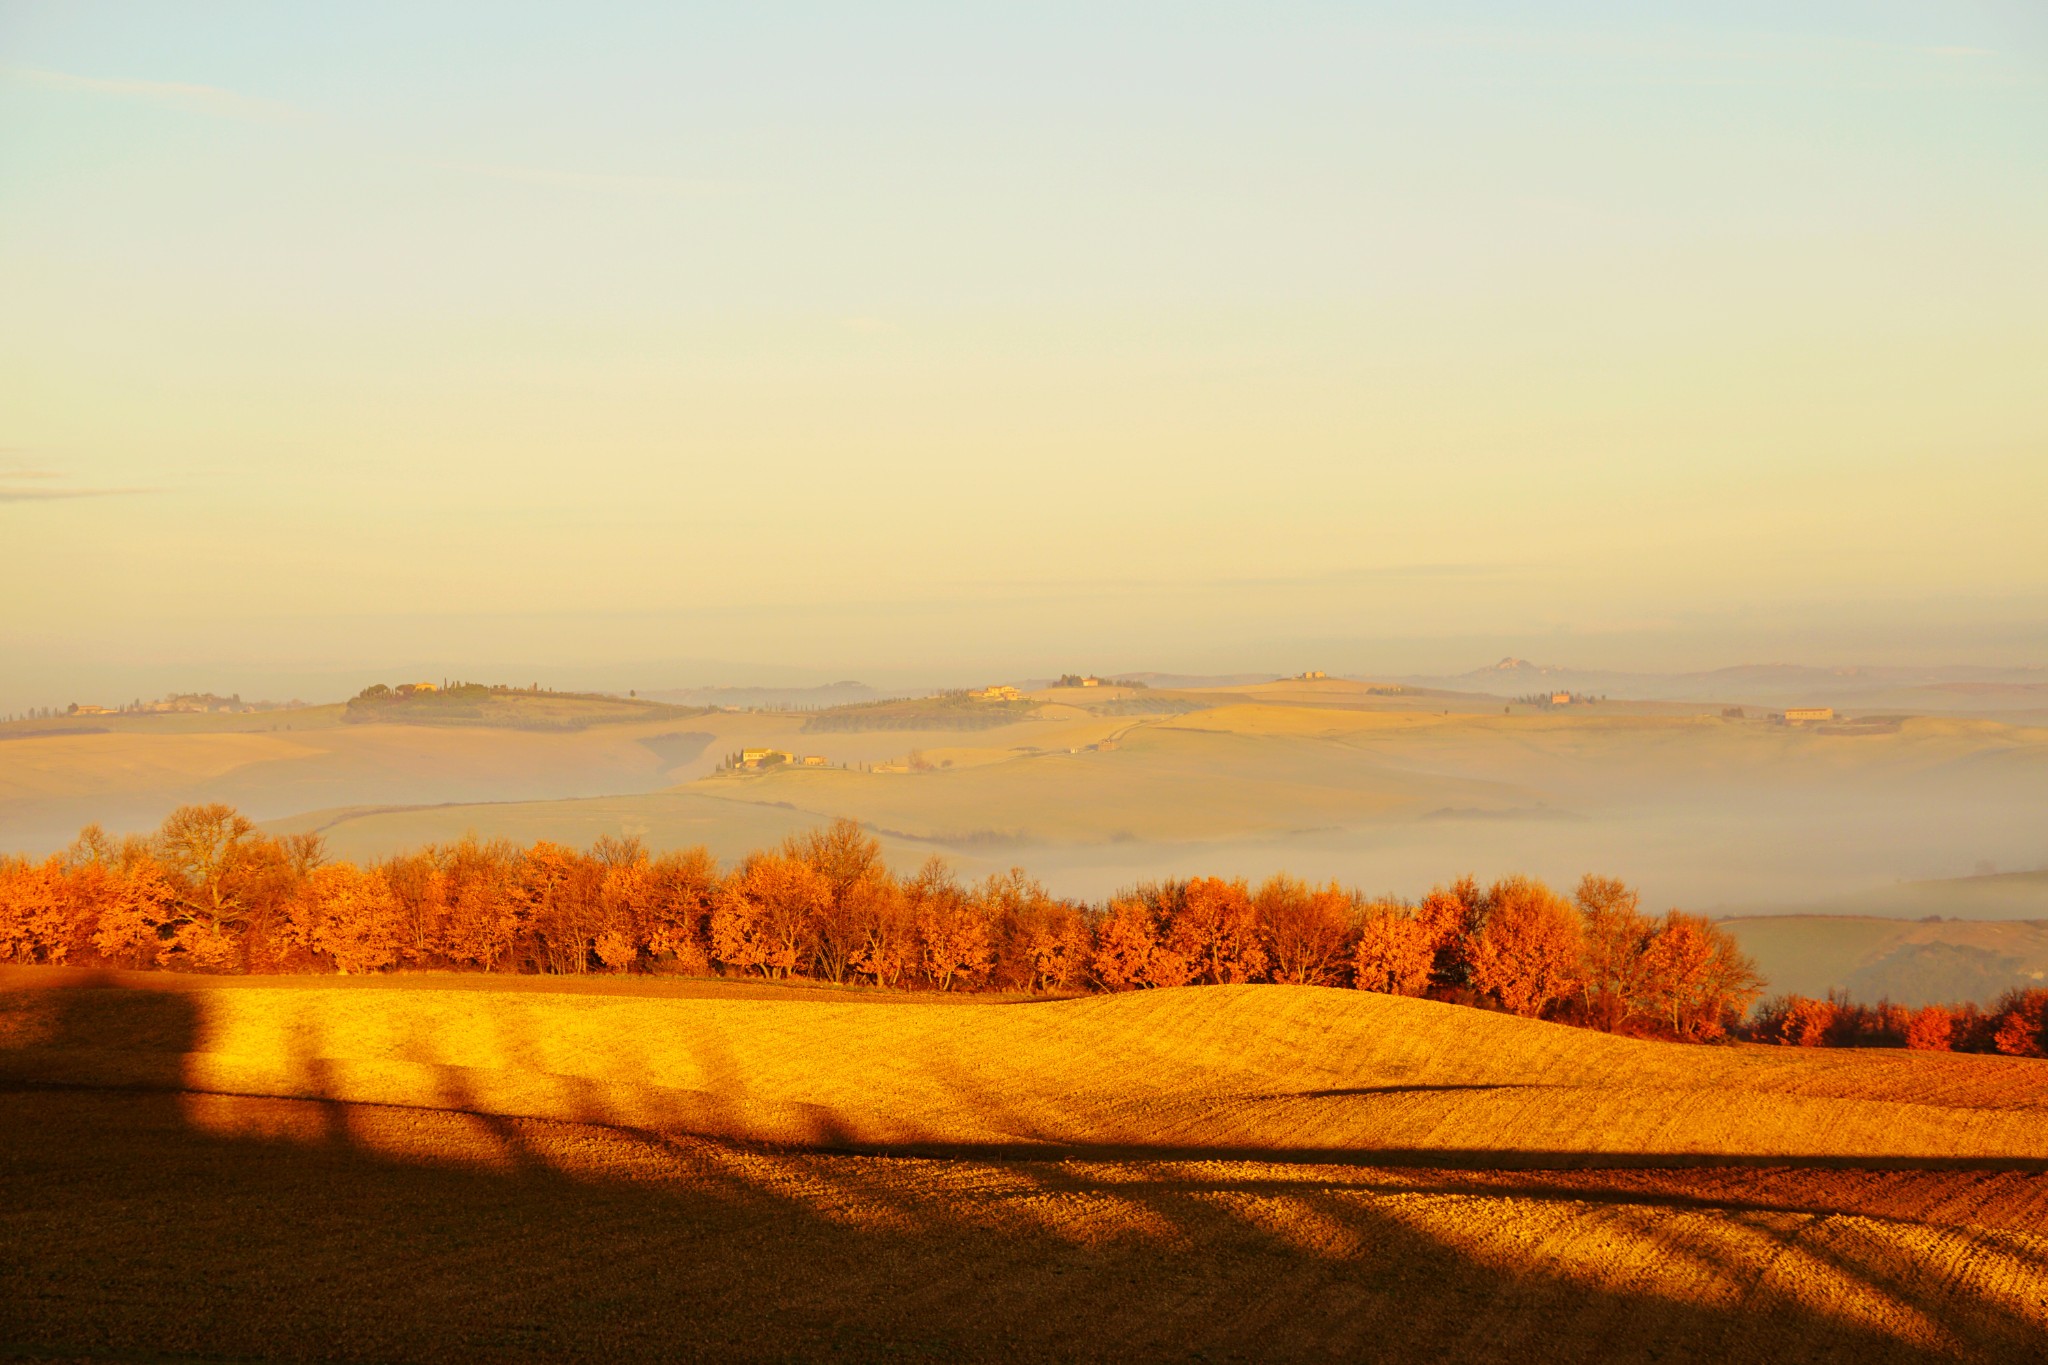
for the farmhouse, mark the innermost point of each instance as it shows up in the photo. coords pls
(78, 709)
(997, 693)
(764, 758)
(1560, 699)
(1799, 715)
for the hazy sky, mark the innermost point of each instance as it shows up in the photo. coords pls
(885, 339)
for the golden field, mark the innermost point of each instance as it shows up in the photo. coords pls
(448, 1168)
(1276, 1070)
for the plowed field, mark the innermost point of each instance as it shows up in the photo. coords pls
(299, 1172)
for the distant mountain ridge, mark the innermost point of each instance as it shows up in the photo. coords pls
(1958, 688)
(772, 698)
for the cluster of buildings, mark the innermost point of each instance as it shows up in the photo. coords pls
(1553, 699)
(1001, 692)
(184, 703)
(757, 759)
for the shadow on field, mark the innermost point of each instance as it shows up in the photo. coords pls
(140, 1222)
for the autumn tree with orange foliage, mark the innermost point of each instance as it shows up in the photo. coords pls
(133, 906)
(420, 889)
(1396, 952)
(1930, 1029)
(764, 917)
(847, 863)
(1215, 930)
(481, 914)
(2021, 1027)
(1041, 942)
(208, 851)
(664, 905)
(1130, 952)
(1613, 976)
(886, 953)
(35, 911)
(558, 903)
(209, 892)
(1307, 929)
(1450, 916)
(955, 945)
(1054, 946)
(1527, 951)
(1698, 981)
(1801, 1021)
(350, 916)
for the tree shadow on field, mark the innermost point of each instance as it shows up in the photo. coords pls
(138, 1220)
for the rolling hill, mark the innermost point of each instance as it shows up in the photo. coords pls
(128, 776)
(1271, 1071)
(1985, 896)
(1384, 793)
(1909, 962)
(2019, 695)
(409, 1168)
(1386, 788)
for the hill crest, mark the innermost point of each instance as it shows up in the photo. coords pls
(1287, 1072)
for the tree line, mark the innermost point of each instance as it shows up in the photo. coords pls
(2017, 1025)
(208, 892)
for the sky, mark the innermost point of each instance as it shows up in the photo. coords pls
(665, 344)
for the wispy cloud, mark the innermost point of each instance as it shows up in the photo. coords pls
(197, 99)
(45, 485)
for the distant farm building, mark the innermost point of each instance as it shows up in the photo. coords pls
(814, 760)
(1798, 715)
(1313, 675)
(414, 689)
(78, 709)
(765, 758)
(1560, 699)
(997, 693)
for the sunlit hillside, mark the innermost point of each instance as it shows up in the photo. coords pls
(529, 1170)
(1908, 962)
(1274, 1070)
